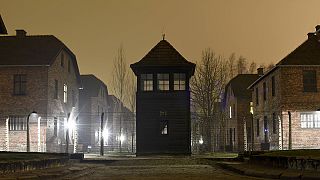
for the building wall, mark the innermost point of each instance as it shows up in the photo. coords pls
(177, 107)
(289, 96)
(240, 113)
(39, 98)
(57, 108)
(13, 105)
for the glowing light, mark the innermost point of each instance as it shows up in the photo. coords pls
(71, 125)
(122, 138)
(201, 141)
(105, 134)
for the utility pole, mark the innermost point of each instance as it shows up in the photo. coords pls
(290, 135)
(101, 138)
(67, 134)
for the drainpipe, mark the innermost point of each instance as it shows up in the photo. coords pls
(290, 135)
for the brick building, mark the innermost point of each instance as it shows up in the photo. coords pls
(37, 73)
(163, 101)
(93, 102)
(286, 100)
(236, 105)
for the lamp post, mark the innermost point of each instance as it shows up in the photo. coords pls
(28, 132)
(101, 137)
(67, 134)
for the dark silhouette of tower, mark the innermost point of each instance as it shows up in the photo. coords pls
(163, 101)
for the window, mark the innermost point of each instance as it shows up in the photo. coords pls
(19, 84)
(62, 59)
(147, 82)
(179, 81)
(230, 112)
(163, 82)
(55, 126)
(309, 81)
(56, 89)
(257, 96)
(258, 128)
(65, 93)
(264, 91)
(17, 123)
(273, 88)
(163, 123)
(310, 120)
(274, 123)
(69, 66)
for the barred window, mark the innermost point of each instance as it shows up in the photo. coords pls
(55, 126)
(163, 82)
(310, 120)
(179, 81)
(17, 123)
(19, 84)
(147, 82)
(309, 81)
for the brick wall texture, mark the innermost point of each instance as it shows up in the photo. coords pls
(40, 89)
(289, 96)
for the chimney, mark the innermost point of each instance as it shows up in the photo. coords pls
(311, 35)
(260, 71)
(21, 33)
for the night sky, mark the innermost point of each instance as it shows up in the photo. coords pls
(264, 31)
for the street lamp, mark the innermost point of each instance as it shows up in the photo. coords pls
(28, 132)
(101, 137)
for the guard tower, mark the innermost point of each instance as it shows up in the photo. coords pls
(163, 101)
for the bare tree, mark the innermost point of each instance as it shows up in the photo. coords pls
(253, 67)
(231, 66)
(119, 84)
(207, 86)
(242, 65)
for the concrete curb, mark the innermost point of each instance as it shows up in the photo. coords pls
(27, 165)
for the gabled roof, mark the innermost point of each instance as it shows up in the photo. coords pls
(3, 29)
(308, 53)
(91, 85)
(239, 85)
(163, 55)
(39, 50)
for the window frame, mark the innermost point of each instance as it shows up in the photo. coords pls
(19, 84)
(163, 81)
(146, 81)
(179, 81)
(17, 123)
(309, 80)
(65, 93)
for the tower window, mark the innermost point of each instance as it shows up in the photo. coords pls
(179, 81)
(147, 82)
(163, 82)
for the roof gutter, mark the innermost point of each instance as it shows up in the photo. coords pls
(25, 65)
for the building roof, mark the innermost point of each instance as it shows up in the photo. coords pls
(163, 55)
(239, 85)
(307, 54)
(3, 29)
(41, 50)
(91, 85)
